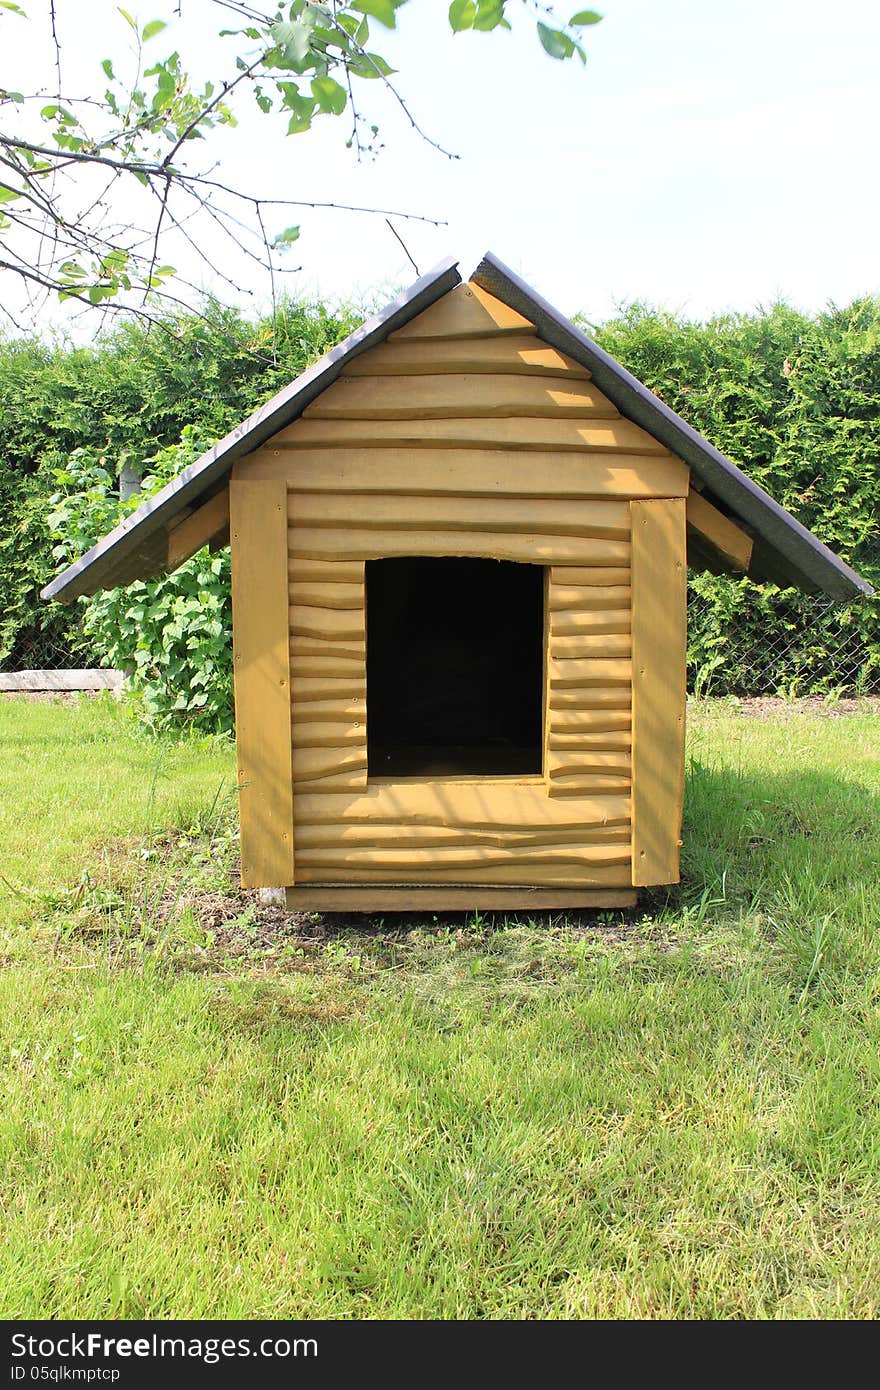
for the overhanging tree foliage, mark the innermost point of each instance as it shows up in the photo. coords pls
(150, 136)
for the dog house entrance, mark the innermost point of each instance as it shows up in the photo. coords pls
(454, 667)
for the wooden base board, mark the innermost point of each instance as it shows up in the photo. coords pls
(408, 899)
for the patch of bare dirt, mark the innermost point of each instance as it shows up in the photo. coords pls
(772, 707)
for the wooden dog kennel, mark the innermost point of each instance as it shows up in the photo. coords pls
(459, 554)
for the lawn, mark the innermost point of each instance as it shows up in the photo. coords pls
(211, 1111)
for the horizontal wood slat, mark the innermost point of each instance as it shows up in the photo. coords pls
(547, 516)
(419, 472)
(553, 435)
(374, 834)
(576, 741)
(338, 572)
(320, 543)
(588, 724)
(519, 353)
(569, 622)
(616, 698)
(335, 624)
(609, 600)
(569, 673)
(502, 803)
(571, 577)
(345, 598)
(586, 645)
(454, 395)
(519, 871)
(320, 689)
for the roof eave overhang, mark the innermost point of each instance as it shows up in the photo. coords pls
(784, 549)
(135, 548)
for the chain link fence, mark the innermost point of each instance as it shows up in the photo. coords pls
(58, 646)
(782, 644)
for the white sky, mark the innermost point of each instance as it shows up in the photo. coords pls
(710, 157)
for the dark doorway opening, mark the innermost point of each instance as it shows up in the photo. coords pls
(454, 667)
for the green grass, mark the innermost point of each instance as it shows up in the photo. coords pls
(673, 1115)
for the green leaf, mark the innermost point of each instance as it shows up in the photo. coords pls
(154, 27)
(329, 95)
(383, 10)
(584, 17)
(462, 14)
(370, 65)
(490, 13)
(14, 9)
(293, 39)
(554, 42)
(8, 195)
(107, 65)
(286, 238)
(128, 19)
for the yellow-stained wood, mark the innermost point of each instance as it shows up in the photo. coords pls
(608, 600)
(546, 516)
(571, 577)
(514, 873)
(585, 673)
(330, 734)
(339, 572)
(502, 803)
(567, 622)
(313, 764)
(576, 741)
(521, 353)
(319, 689)
(586, 724)
(258, 530)
(603, 763)
(413, 898)
(723, 535)
(347, 668)
(345, 598)
(346, 858)
(341, 624)
(553, 434)
(584, 645)
(207, 525)
(303, 650)
(412, 472)
(659, 585)
(615, 699)
(334, 710)
(374, 835)
(324, 544)
(464, 312)
(454, 395)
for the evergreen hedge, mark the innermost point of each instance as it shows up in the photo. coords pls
(794, 399)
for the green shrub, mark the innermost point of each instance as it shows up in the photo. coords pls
(796, 402)
(172, 635)
(128, 396)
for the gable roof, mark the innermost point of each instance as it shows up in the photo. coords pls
(784, 552)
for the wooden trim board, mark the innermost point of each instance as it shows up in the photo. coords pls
(367, 898)
(722, 534)
(261, 666)
(659, 651)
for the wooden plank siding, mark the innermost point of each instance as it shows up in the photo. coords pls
(464, 435)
